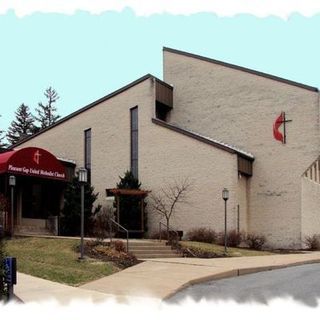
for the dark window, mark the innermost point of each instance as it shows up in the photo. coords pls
(134, 141)
(87, 152)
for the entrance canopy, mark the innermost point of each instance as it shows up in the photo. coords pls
(35, 162)
(128, 192)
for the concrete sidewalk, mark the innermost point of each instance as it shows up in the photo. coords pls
(33, 289)
(157, 278)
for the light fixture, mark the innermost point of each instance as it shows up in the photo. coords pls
(225, 194)
(83, 175)
(225, 197)
(12, 184)
(12, 181)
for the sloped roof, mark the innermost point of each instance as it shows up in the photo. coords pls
(91, 105)
(216, 143)
(233, 66)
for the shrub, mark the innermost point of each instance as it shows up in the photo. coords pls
(313, 242)
(4, 205)
(105, 252)
(255, 241)
(206, 235)
(70, 215)
(234, 238)
(199, 253)
(119, 246)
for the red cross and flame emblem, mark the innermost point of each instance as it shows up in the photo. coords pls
(280, 120)
(36, 157)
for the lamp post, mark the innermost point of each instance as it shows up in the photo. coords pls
(225, 197)
(82, 179)
(12, 184)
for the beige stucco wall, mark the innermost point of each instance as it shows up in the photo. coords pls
(170, 156)
(310, 207)
(239, 108)
(109, 122)
(164, 155)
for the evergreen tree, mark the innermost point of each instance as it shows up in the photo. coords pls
(47, 112)
(21, 127)
(70, 220)
(3, 144)
(129, 181)
(130, 208)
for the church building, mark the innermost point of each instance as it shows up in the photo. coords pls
(216, 124)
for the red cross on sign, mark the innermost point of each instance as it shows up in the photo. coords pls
(36, 157)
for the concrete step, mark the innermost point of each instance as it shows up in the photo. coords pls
(31, 230)
(138, 252)
(133, 247)
(147, 249)
(142, 256)
(146, 244)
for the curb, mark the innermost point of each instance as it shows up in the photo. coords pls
(236, 273)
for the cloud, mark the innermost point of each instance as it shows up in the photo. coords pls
(225, 8)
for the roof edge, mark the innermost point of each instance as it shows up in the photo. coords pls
(244, 69)
(202, 139)
(87, 107)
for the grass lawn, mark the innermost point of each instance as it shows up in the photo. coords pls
(219, 250)
(56, 260)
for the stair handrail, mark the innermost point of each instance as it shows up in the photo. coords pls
(123, 228)
(170, 229)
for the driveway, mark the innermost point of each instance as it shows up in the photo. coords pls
(302, 283)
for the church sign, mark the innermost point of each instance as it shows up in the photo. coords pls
(32, 161)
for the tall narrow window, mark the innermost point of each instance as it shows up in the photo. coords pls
(134, 140)
(87, 152)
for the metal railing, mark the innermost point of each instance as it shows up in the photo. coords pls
(170, 241)
(123, 228)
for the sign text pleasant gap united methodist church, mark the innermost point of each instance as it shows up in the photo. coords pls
(35, 162)
(37, 172)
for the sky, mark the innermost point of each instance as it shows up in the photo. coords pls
(87, 49)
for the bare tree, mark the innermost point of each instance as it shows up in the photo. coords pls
(47, 112)
(101, 223)
(166, 200)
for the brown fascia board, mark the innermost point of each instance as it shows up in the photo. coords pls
(164, 83)
(199, 138)
(236, 67)
(91, 105)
